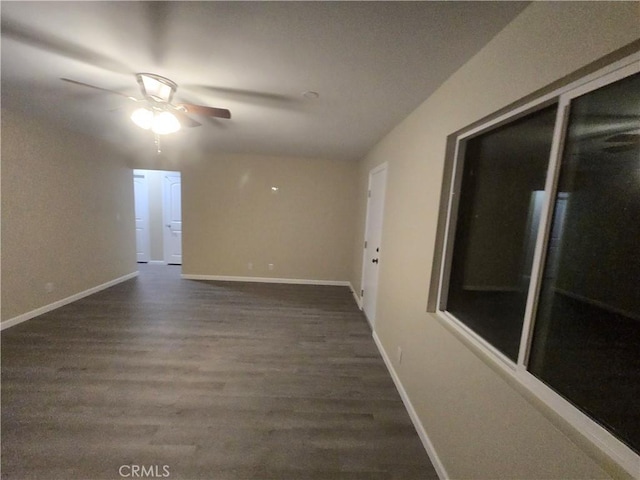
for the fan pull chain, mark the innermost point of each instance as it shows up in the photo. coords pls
(157, 142)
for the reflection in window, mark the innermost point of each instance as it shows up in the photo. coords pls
(586, 342)
(498, 215)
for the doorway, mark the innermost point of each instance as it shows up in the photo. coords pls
(158, 213)
(372, 242)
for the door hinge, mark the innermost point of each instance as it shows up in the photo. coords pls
(362, 293)
(369, 194)
(365, 244)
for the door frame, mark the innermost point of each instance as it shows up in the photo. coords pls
(145, 217)
(166, 253)
(382, 167)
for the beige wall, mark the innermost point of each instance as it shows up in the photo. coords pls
(231, 217)
(480, 425)
(67, 214)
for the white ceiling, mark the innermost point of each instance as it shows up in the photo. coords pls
(371, 62)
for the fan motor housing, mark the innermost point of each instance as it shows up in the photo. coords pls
(156, 87)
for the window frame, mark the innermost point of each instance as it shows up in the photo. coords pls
(597, 436)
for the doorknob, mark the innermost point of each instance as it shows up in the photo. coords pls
(168, 225)
(375, 260)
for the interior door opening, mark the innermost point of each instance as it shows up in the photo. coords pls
(158, 213)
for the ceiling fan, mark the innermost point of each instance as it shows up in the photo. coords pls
(157, 112)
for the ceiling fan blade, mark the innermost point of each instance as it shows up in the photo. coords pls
(59, 46)
(82, 84)
(184, 119)
(206, 111)
(238, 94)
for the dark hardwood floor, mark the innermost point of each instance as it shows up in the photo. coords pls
(214, 380)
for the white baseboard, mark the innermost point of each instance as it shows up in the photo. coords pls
(65, 301)
(156, 262)
(426, 442)
(357, 297)
(296, 281)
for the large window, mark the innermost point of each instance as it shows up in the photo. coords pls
(503, 176)
(541, 266)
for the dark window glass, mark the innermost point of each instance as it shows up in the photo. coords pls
(498, 215)
(586, 342)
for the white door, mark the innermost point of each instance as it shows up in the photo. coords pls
(172, 214)
(373, 235)
(141, 202)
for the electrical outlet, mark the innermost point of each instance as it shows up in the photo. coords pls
(250, 266)
(49, 287)
(399, 355)
(271, 266)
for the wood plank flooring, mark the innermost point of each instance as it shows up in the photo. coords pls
(214, 380)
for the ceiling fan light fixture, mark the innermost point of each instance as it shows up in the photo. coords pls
(164, 123)
(143, 117)
(161, 123)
